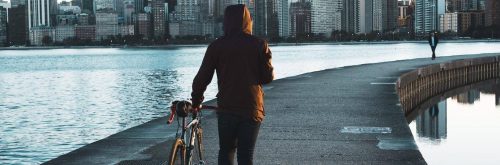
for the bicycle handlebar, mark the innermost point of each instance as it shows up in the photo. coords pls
(173, 110)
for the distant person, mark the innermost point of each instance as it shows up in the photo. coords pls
(433, 41)
(242, 63)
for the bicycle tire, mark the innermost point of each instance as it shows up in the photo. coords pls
(178, 148)
(194, 155)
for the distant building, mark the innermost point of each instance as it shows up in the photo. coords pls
(69, 10)
(468, 20)
(187, 15)
(64, 32)
(18, 29)
(3, 26)
(16, 3)
(126, 30)
(85, 32)
(326, 16)
(139, 5)
(128, 11)
(283, 18)
(64, 20)
(39, 13)
(272, 22)
(390, 15)
(464, 5)
(143, 25)
(106, 25)
(426, 17)
(348, 17)
(83, 19)
(364, 17)
(448, 22)
(40, 33)
(300, 18)
(492, 12)
(158, 12)
(104, 6)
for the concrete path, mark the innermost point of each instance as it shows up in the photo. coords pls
(348, 115)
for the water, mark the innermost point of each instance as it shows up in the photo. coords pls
(462, 129)
(55, 101)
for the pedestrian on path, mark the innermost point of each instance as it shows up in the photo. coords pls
(242, 63)
(433, 42)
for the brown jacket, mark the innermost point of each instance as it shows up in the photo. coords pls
(242, 63)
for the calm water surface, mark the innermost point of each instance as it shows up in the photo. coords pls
(462, 129)
(55, 101)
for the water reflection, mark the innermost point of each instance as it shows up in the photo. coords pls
(463, 128)
(432, 124)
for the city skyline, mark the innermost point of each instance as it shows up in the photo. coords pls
(161, 21)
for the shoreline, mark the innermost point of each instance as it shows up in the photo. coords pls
(271, 44)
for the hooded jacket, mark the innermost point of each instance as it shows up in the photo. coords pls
(242, 63)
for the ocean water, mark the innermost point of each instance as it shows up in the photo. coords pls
(53, 101)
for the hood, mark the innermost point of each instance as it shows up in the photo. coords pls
(237, 20)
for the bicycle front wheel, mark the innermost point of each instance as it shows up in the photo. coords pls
(194, 154)
(178, 153)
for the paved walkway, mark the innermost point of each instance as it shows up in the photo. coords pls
(348, 115)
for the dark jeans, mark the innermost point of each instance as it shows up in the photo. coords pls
(433, 51)
(236, 133)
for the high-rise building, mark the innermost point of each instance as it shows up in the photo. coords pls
(128, 12)
(349, 15)
(106, 25)
(259, 18)
(139, 5)
(85, 32)
(390, 15)
(39, 13)
(464, 5)
(426, 17)
(3, 26)
(64, 32)
(143, 25)
(41, 35)
(492, 12)
(18, 32)
(364, 16)
(272, 21)
(187, 14)
(300, 18)
(283, 18)
(15, 3)
(104, 6)
(468, 20)
(448, 22)
(158, 9)
(378, 15)
(326, 16)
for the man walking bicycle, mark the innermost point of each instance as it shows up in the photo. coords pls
(242, 63)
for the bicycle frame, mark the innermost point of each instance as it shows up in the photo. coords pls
(187, 147)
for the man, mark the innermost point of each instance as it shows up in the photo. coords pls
(433, 41)
(243, 64)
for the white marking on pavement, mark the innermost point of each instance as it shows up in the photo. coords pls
(359, 130)
(382, 83)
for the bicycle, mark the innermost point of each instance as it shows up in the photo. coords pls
(190, 153)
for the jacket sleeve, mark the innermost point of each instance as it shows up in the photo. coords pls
(204, 76)
(266, 68)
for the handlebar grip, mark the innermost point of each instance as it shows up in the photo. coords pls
(172, 115)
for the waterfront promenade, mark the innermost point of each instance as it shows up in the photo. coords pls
(348, 115)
